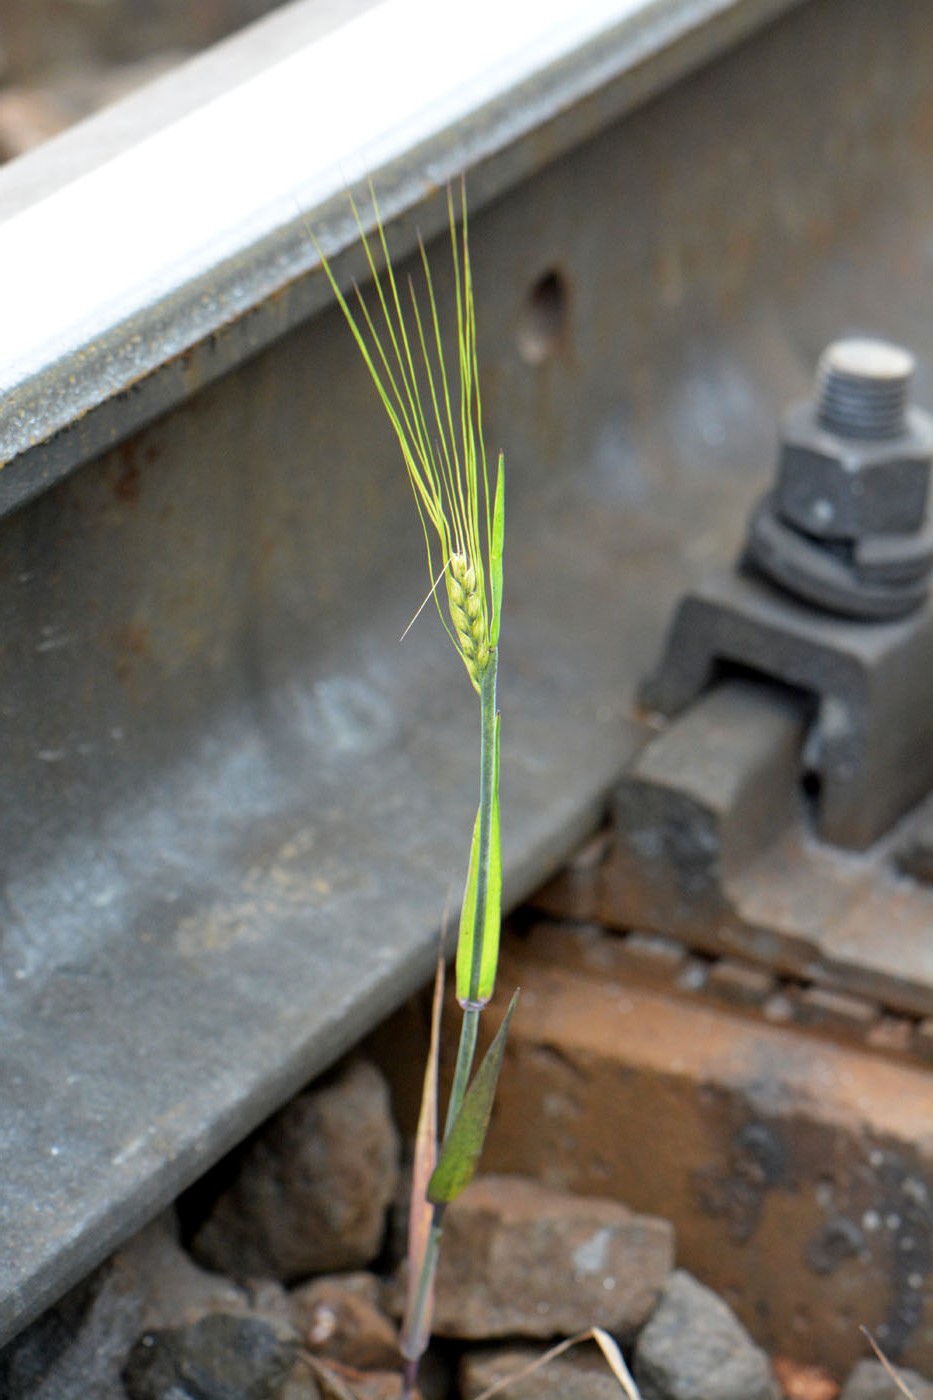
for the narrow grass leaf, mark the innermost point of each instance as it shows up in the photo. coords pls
(495, 551)
(460, 1154)
(478, 946)
(466, 939)
(489, 960)
(417, 1330)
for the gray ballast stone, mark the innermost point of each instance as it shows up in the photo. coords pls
(312, 1189)
(76, 1349)
(221, 1357)
(870, 1381)
(695, 1348)
(520, 1259)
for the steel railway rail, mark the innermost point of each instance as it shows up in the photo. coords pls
(233, 808)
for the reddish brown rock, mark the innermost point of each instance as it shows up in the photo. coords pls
(375, 1385)
(338, 1319)
(312, 1189)
(568, 1377)
(520, 1259)
(335, 1381)
(794, 1169)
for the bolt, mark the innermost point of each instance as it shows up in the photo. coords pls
(862, 387)
(855, 460)
(846, 527)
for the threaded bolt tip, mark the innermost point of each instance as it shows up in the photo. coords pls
(862, 387)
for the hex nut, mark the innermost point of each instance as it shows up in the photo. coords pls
(842, 488)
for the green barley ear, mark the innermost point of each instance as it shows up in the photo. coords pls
(436, 415)
(468, 616)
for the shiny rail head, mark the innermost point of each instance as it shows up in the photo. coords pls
(169, 234)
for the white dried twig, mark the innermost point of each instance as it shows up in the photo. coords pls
(902, 1387)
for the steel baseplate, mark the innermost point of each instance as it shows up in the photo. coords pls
(795, 740)
(801, 730)
(870, 748)
(713, 844)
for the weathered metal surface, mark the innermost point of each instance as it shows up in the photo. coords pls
(714, 975)
(828, 597)
(855, 460)
(861, 581)
(234, 806)
(846, 527)
(711, 844)
(870, 746)
(203, 256)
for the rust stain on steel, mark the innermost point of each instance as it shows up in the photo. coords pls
(126, 466)
(126, 485)
(132, 649)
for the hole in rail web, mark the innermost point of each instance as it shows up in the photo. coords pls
(542, 327)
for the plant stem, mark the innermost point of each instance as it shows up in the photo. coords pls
(418, 1325)
(415, 1327)
(466, 1050)
(487, 781)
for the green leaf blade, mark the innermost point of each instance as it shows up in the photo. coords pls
(489, 960)
(466, 939)
(476, 965)
(460, 1154)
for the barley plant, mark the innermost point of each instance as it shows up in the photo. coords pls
(435, 412)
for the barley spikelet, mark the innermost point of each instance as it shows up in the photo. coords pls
(468, 616)
(436, 414)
